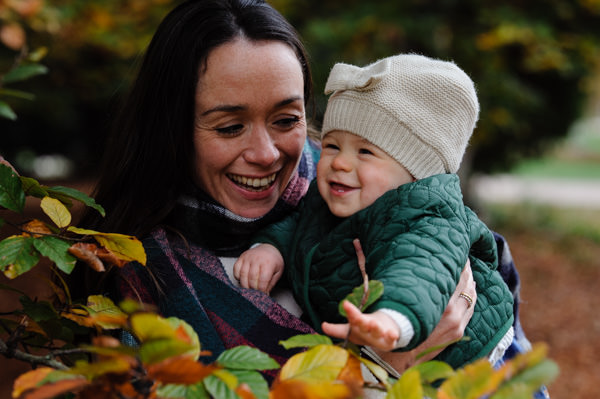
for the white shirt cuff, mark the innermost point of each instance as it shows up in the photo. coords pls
(406, 328)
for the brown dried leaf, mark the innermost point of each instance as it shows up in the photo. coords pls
(87, 253)
(36, 228)
(179, 370)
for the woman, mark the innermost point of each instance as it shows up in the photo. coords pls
(212, 145)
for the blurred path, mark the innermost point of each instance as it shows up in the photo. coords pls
(557, 192)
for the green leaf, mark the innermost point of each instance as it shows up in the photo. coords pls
(257, 383)
(408, 386)
(7, 112)
(306, 341)
(38, 311)
(11, 192)
(56, 211)
(17, 94)
(175, 391)
(434, 370)
(218, 388)
(246, 358)
(76, 195)
(56, 250)
(33, 187)
(18, 253)
(375, 292)
(24, 72)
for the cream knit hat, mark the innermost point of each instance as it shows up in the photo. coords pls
(420, 111)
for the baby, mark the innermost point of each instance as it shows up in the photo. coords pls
(394, 134)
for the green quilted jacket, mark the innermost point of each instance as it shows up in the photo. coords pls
(416, 239)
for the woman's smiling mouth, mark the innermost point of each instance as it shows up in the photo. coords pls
(254, 184)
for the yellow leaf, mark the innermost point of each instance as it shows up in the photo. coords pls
(408, 386)
(473, 381)
(56, 211)
(320, 363)
(123, 246)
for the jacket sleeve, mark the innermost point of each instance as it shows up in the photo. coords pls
(419, 265)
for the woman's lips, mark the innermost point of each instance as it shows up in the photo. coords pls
(253, 183)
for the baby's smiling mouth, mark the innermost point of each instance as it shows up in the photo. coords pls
(340, 188)
(251, 183)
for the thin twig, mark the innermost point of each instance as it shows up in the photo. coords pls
(46, 360)
(360, 256)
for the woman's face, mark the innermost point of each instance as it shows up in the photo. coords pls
(250, 124)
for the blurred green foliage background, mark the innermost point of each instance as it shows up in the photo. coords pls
(535, 64)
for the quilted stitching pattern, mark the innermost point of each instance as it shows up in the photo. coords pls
(416, 239)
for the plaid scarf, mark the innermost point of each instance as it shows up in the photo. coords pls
(188, 281)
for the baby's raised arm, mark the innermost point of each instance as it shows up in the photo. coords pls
(259, 267)
(377, 329)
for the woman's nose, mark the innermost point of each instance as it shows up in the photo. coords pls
(262, 149)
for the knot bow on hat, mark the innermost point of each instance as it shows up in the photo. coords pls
(350, 77)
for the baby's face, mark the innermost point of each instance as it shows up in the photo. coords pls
(352, 173)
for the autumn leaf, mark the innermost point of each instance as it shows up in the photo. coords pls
(87, 253)
(320, 363)
(351, 373)
(299, 389)
(473, 381)
(179, 370)
(105, 313)
(56, 211)
(36, 228)
(123, 246)
(46, 383)
(408, 386)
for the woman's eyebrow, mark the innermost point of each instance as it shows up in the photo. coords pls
(236, 108)
(288, 101)
(225, 108)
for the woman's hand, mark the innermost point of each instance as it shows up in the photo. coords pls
(451, 327)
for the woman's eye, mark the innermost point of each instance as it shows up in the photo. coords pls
(229, 130)
(287, 123)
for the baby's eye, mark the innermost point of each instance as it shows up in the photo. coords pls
(230, 130)
(331, 146)
(365, 151)
(287, 123)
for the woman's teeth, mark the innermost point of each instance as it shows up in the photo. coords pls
(254, 183)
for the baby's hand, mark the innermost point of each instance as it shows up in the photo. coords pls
(376, 330)
(259, 268)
